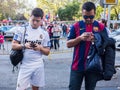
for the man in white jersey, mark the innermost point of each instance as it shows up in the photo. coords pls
(37, 43)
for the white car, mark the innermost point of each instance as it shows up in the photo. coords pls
(10, 33)
(116, 35)
(117, 38)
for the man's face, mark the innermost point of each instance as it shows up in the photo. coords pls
(88, 16)
(35, 22)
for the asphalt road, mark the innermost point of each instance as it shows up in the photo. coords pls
(57, 71)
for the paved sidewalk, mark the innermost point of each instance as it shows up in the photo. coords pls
(57, 69)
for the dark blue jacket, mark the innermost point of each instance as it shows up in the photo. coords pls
(108, 56)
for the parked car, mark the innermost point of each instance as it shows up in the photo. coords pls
(115, 33)
(10, 33)
(117, 38)
(5, 28)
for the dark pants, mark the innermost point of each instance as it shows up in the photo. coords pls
(76, 79)
(51, 41)
(2, 45)
(64, 33)
(56, 41)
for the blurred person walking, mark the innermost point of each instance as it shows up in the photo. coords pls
(105, 23)
(2, 41)
(49, 29)
(56, 30)
(64, 29)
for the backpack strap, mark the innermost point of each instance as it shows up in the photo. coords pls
(24, 37)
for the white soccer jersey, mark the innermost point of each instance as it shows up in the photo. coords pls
(32, 58)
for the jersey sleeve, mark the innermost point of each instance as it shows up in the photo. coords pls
(18, 34)
(46, 42)
(71, 34)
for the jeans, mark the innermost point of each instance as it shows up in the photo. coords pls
(76, 79)
(51, 41)
(56, 41)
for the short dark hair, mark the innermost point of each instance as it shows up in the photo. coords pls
(104, 22)
(37, 12)
(88, 6)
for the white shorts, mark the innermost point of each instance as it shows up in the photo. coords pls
(30, 76)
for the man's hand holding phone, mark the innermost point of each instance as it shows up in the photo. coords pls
(36, 46)
(32, 45)
(87, 36)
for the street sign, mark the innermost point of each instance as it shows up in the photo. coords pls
(110, 2)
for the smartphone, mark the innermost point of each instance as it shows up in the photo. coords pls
(32, 44)
(88, 34)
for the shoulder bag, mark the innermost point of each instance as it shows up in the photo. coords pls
(16, 56)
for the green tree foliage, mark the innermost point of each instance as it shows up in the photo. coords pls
(115, 11)
(51, 6)
(99, 9)
(69, 11)
(66, 9)
(7, 8)
(10, 8)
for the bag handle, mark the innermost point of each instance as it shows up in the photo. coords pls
(24, 37)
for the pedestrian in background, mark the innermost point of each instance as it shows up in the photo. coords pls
(37, 44)
(49, 29)
(64, 29)
(56, 30)
(2, 41)
(80, 37)
(105, 23)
